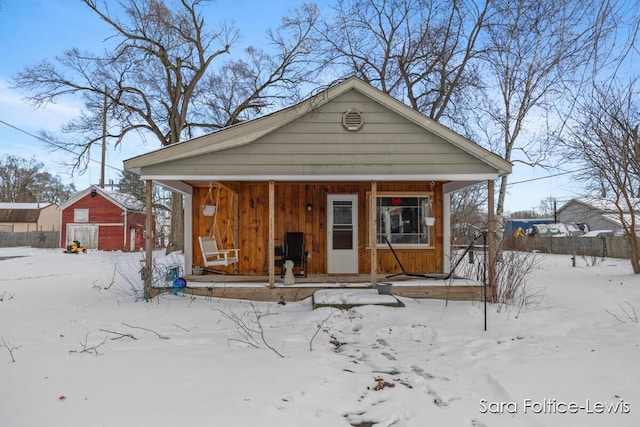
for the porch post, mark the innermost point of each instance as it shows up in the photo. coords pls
(148, 236)
(373, 226)
(271, 244)
(188, 233)
(446, 232)
(491, 241)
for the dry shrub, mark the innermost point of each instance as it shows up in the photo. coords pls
(512, 273)
(513, 269)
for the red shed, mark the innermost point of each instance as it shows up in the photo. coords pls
(105, 220)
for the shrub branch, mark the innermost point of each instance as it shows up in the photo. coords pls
(10, 349)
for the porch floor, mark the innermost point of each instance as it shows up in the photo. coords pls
(256, 287)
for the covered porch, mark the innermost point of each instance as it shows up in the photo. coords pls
(362, 178)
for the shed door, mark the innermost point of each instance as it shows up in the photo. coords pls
(86, 234)
(132, 239)
(342, 233)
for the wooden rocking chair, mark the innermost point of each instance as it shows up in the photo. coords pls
(212, 256)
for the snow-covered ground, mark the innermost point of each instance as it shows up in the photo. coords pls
(83, 359)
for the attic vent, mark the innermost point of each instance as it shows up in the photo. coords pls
(352, 120)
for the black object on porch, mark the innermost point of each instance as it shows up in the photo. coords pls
(294, 250)
(451, 274)
(404, 272)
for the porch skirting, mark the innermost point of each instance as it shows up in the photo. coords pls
(256, 288)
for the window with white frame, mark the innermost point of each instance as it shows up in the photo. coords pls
(404, 219)
(81, 215)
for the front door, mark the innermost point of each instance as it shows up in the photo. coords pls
(342, 233)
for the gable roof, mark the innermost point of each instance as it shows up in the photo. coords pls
(122, 200)
(599, 204)
(231, 153)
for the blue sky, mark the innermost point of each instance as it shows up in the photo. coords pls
(32, 30)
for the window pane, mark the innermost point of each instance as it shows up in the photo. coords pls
(342, 232)
(342, 239)
(81, 215)
(342, 212)
(402, 219)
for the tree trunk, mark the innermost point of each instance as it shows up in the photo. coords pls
(176, 236)
(634, 252)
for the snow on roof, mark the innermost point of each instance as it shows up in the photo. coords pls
(615, 218)
(605, 205)
(126, 200)
(6, 205)
(557, 230)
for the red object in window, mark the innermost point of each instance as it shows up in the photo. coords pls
(395, 201)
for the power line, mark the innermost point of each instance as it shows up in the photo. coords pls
(55, 144)
(61, 147)
(547, 177)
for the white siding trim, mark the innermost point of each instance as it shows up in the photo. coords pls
(312, 178)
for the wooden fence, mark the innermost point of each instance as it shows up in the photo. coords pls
(614, 247)
(35, 239)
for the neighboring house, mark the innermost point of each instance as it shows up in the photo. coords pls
(348, 168)
(25, 217)
(105, 220)
(596, 213)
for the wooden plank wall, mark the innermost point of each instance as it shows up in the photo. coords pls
(225, 230)
(292, 214)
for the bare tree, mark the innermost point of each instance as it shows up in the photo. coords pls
(23, 180)
(547, 207)
(418, 51)
(130, 183)
(525, 213)
(468, 213)
(261, 81)
(535, 51)
(605, 138)
(421, 52)
(156, 69)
